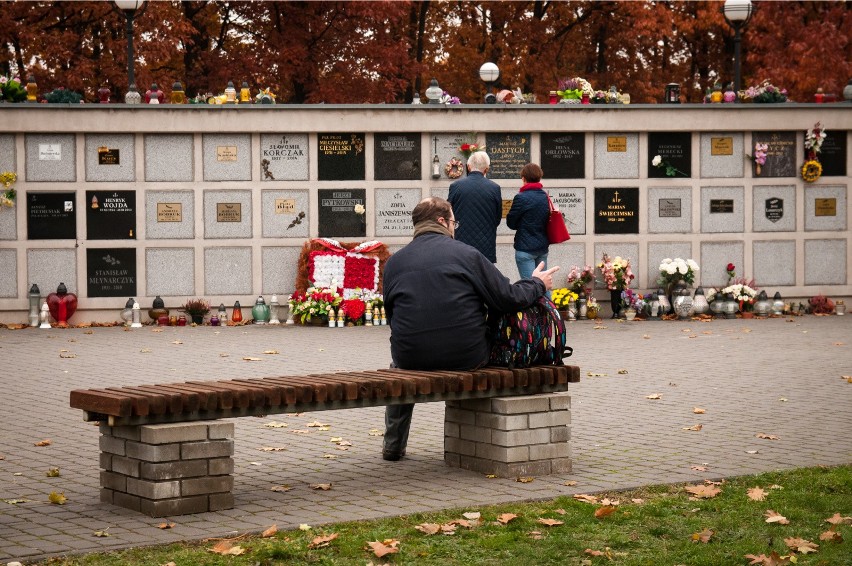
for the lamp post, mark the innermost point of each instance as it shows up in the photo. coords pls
(489, 73)
(737, 13)
(129, 7)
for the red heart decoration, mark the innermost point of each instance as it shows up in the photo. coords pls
(62, 307)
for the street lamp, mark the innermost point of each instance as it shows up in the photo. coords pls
(129, 7)
(737, 13)
(489, 73)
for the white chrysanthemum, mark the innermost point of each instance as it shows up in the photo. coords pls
(656, 161)
(691, 263)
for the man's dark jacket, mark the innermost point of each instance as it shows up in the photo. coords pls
(436, 290)
(478, 206)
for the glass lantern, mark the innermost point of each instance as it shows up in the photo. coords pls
(840, 307)
(683, 303)
(654, 306)
(763, 305)
(731, 306)
(777, 304)
(665, 306)
(699, 302)
(717, 307)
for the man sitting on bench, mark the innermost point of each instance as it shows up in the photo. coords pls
(437, 292)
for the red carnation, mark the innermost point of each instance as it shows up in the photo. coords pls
(731, 267)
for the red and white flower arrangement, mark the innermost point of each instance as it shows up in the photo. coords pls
(616, 272)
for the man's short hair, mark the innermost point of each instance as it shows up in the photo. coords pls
(532, 173)
(479, 161)
(431, 208)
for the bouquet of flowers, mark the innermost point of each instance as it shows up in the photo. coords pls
(316, 301)
(765, 92)
(353, 309)
(12, 90)
(760, 150)
(447, 98)
(632, 300)
(7, 197)
(578, 280)
(574, 89)
(673, 270)
(812, 169)
(744, 294)
(562, 298)
(467, 149)
(616, 272)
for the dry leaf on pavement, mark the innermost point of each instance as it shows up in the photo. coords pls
(694, 427)
(699, 411)
(45, 442)
(102, 533)
(227, 548)
(570, 482)
(316, 424)
(654, 396)
(593, 374)
(773, 517)
(622, 372)
(251, 359)
(280, 488)
(756, 494)
(166, 525)
(322, 486)
(703, 536)
(703, 491)
(275, 424)
(57, 498)
(699, 468)
(524, 479)
(271, 352)
(272, 448)
(767, 436)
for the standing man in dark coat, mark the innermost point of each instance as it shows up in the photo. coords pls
(478, 206)
(436, 293)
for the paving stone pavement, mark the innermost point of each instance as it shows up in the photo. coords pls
(780, 377)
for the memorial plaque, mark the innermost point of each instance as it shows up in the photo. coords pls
(226, 153)
(49, 152)
(616, 144)
(284, 157)
(51, 216)
(670, 208)
(111, 272)
(676, 150)
(169, 212)
(572, 204)
(774, 209)
(825, 207)
(285, 206)
(722, 146)
(111, 215)
(509, 153)
(721, 206)
(341, 157)
(832, 156)
(229, 212)
(781, 159)
(337, 216)
(397, 157)
(617, 210)
(393, 211)
(107, 156)
(507, 206)
(563, 155)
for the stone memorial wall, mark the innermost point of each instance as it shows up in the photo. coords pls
(177, 206)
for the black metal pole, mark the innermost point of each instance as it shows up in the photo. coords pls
(737, 62)
(130, 78)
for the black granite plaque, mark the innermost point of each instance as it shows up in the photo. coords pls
(509, 153)
(675, 150)
(832, 156)
(397, 157)
(337, 216)
(780, 154)
(670, 208)
(341, 157)
(617, 210)
(721, 206)
(774, 209)
(107, 156)
(51, 216)
(563, 156)
(111, 272)
(111, 215)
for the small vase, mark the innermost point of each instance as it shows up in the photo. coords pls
(748, 314)
(592, 311)
(757, 170)
(629, 314)
(197, 318)
(615, 302)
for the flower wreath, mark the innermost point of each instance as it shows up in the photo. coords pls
(811, 170)
(454, 168)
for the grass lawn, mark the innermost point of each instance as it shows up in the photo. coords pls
(662, 525)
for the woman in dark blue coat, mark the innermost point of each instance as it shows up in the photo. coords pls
(528, 217)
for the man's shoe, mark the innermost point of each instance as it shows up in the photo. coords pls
(393, 456)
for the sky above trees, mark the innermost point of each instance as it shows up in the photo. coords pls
(373, 52)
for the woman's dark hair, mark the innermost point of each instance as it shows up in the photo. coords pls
(431, 208)
(532, 173)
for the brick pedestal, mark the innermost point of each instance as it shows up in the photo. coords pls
(509, 436)
(168, 469)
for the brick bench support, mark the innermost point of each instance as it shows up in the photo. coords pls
(168, 469)
(509, 436)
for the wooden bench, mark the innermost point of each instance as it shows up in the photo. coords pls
(165, 452)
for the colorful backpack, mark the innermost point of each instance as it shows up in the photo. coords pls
(533, 336)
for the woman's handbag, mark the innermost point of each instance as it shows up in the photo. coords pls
(557, 232)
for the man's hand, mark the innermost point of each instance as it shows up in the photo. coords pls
(545, 276)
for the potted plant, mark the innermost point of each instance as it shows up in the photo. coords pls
(196, 309)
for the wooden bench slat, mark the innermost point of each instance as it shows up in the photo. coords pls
(303, 392)
(319, 391)
(173, 399)
(424, 384)
(401, 386)
(224, 396)
(272, 395)
(240, 397)
(156, 403)
(190, 401)
(101, 401)
(207, 400)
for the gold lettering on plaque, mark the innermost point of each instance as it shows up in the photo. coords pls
(285, 205)
(825, 207)
(617, 144)
(721, 146)
(226, 153)
(507, 205)
(228, 212)
(169, 212)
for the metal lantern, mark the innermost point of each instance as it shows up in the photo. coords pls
(655, 306)
(434, 92)
(699, 302)
(665, 306)
(683, 303)
(127, 311)
(260, 311)
(777, 304)
(137, 316)
(731, 306)
(763, 305)
(673, 93)
(35, 300)
(717, 307)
